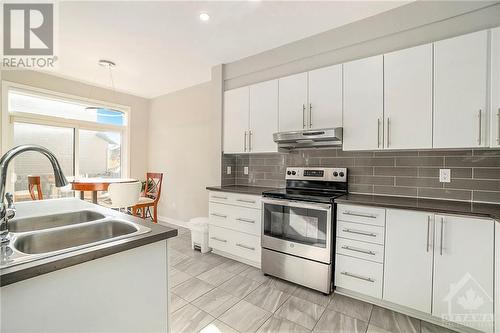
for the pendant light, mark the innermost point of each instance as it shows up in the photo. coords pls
(109, 65)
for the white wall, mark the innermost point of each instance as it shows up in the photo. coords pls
(185, 144)
(139, 109)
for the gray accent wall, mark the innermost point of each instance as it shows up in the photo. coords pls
(475, 174)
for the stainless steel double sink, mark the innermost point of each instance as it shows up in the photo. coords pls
(39, 237)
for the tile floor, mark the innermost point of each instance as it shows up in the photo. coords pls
(212, 294)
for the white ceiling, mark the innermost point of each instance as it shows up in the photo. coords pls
(160, 47)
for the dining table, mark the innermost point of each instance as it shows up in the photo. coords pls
(95, 185)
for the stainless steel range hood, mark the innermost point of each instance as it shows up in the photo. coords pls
(318, 138)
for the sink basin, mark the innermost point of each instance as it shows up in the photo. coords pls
(53, 221)
(75, 236)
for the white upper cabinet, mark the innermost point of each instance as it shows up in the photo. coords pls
(460, 81)
(325, 97)
(495, 88)
(235, 124)
(408, 98)
(263, 116)
(463, 270)
(293, 102)
(363, 104)
(408, 259)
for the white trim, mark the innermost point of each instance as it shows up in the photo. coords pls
(162, 220)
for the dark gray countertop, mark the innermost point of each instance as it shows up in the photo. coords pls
(255, 190)
(430, 205)
(34, 268)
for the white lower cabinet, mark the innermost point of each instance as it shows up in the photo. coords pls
(408, 259)
(235, 226)
(439, 265)
(463, 271)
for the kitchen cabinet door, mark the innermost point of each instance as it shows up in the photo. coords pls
(263, 116)
(460, 80)
(363, 104)
(325, 97)
(495, 88)
(463, 270)
(235, 124)
(408, 259)
(408, 98)
(293, 102)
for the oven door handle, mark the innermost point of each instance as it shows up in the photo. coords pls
(298, 204)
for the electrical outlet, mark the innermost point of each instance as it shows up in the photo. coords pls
(245, 170)
(228, 170)
(444, 175)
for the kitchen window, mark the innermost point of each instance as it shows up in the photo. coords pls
(89, 138)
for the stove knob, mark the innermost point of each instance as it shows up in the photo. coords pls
(294, 173)
(289, 173)
(335, 174)
(341, 174)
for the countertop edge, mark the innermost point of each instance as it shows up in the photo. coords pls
(249, 190)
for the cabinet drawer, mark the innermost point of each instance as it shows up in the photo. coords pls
(362, 250)
(243, 200)
(361, 214)
(359, 275)
(361, 232)
(237, 218)
(237, 243)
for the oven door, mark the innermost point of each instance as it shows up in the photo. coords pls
(299, 228)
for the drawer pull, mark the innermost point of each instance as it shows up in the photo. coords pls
(219, 197)
(360, 214)
(246, 201)
(219, 215)
(357, 276)
(219, 240)
(359, 232)
(345, 247)
(245, 246)
(245, 220)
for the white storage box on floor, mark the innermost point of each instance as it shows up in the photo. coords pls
(199, 233)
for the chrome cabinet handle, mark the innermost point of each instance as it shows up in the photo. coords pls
(247, 201)
(219, 197)
(356, 276)
(498, 129)
(250, 140)
(310, 115)
(245, 220)
(480, 127)
(428, 232)
(360, 214)
(303, 116)
(442, 231)
(245, 142)
(246, 247)
(359, 232)
(219, 240)
(388, 132)
(219, 215)
(378, 132)
(345, 247)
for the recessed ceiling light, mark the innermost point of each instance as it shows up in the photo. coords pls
(204, 17)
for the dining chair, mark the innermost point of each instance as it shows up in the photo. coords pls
(122, 195)
(34, 181)
(150, 197)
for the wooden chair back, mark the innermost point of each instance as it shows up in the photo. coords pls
(153, 185)
(34, 181)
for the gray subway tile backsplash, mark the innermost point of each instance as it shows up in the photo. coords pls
(475, 173)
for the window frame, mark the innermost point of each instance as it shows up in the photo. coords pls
(8, 119)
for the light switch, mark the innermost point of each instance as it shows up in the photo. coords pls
(245, 170)
(228, 170)
(444, 175)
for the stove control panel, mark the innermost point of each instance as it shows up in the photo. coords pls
(321, 174)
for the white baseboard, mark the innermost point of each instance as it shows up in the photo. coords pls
(163, 220)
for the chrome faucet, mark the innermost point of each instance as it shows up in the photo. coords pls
(7, 210)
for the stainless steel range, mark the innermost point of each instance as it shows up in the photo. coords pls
(298, 227)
